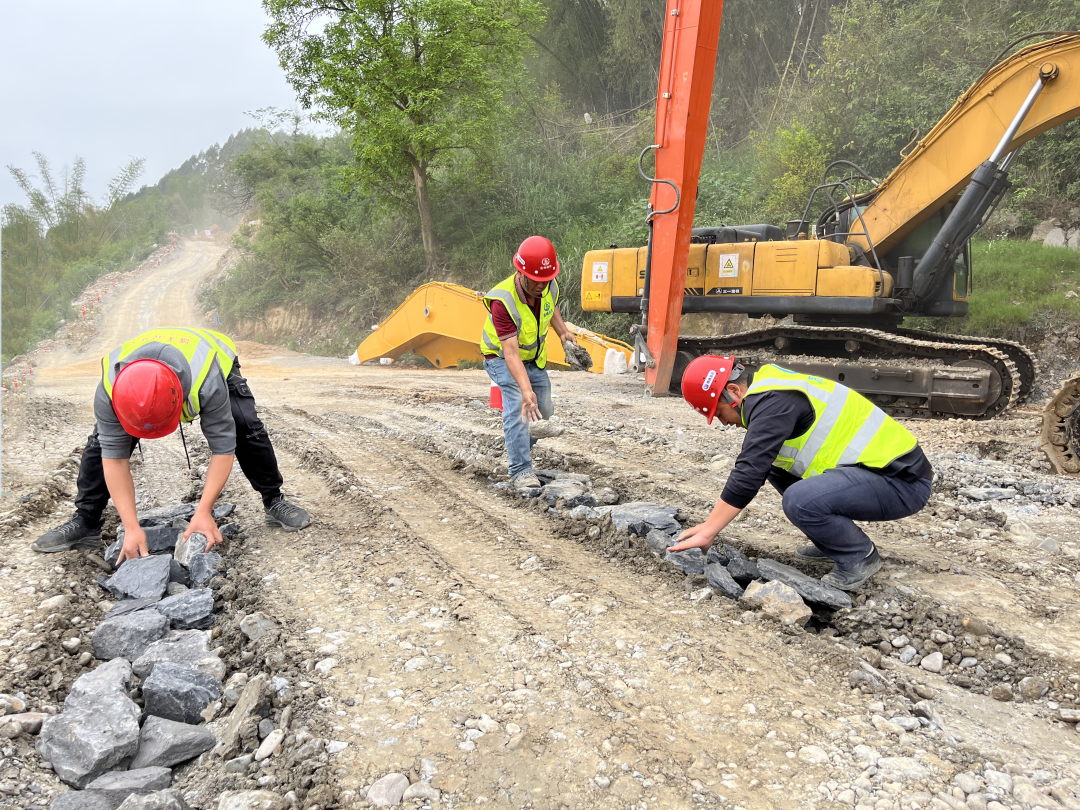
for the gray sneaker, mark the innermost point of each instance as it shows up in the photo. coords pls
(850, 576)
(73, 534)
(527, 480)
(288, 516)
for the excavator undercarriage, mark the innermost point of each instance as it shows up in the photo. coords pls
(912, 374)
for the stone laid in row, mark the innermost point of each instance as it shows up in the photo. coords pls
(96, 743)
(726, 569)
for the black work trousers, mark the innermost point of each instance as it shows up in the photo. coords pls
(254, 452)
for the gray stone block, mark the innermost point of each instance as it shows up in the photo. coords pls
(126, 606)
(640, 517)
(189, 648)
(141, 578)
(110, 679)
(691, 561)
(188, 610)
(177, 692)
(658, 542)
(166, 743)
(129, 635)
(159, 800)
(810, 589)
(91, 737)
(222, 511)
(203, 567)
(159, 540)
(188, 547)
(121, 784)
(720, 578)
(177, 573)
(164, 515)
(84, 800)
(741, 567)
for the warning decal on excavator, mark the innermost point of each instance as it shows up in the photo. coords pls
(729, 265)
(599, 272)
(592, 295)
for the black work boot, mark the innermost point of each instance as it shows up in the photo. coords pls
(288, 516)
(849, 576)
(812, 553)
(73, 534)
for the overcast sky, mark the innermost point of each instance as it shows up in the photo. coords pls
(112, 80)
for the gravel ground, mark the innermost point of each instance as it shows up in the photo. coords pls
(435, 630)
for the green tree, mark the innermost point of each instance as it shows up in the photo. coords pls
(411, 80)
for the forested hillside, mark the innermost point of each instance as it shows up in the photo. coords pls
(465, 125)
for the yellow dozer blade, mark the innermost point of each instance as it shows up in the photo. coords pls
(442, 322)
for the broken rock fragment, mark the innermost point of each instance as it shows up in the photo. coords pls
(777, 600)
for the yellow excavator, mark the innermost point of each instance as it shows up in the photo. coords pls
(855, 264)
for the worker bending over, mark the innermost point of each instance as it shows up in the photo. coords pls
(521, 309)
(833, 455)
(149, 385)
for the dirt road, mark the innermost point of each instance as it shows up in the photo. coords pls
(506, 655)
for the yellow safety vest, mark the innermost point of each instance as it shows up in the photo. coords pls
(199, 346)
(848, 428)
(531, 335)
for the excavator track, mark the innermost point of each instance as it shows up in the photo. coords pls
(1061, 428)
(904, 376)
(1025, 361)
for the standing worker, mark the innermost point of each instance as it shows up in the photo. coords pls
(149, 385)
(521, 308)
(834, 456)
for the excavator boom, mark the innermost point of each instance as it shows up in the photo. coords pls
(937, 169)
(684, 94)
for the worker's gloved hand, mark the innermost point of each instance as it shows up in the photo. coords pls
(576, 355)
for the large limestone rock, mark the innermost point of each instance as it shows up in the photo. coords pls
(641, 517)
(165, 743)
(121, 784)
(187, 647)
(127, 636)
(178, 692)
(777, 600)
(188, 610)
(141, 578)
(96, 731)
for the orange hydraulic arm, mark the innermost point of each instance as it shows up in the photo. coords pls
(687, 65)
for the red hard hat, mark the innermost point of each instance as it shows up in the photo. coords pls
(704, 380)
(535, 259)
(147, 398)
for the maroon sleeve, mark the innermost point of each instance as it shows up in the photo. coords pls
(504, 324)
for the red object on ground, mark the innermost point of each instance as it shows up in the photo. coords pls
(495, 397)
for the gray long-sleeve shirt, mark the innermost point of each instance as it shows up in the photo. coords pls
(215, 413)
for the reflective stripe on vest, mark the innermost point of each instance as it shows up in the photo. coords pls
(200, 348)
(847, 429)
(531, 336)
